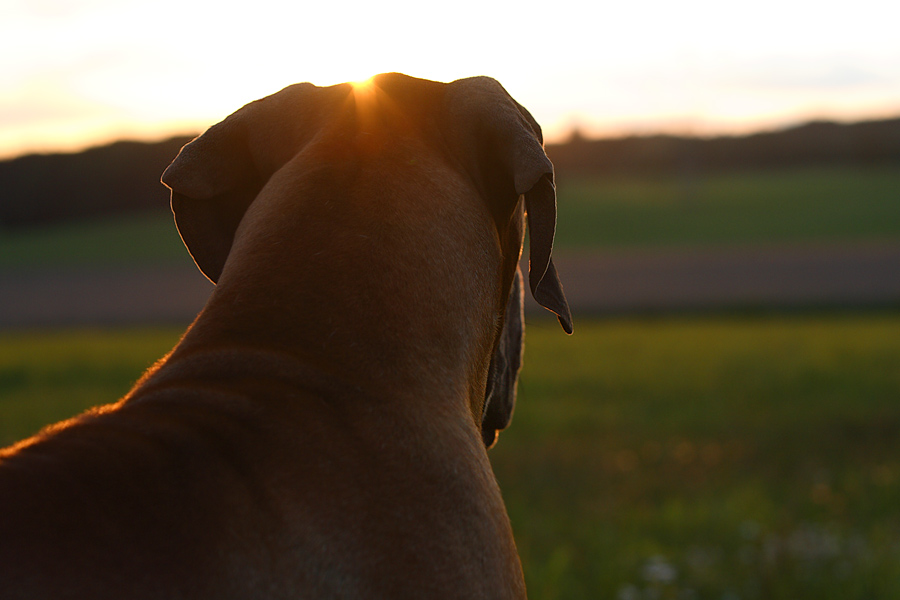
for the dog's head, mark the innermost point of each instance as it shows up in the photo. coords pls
(492, 139)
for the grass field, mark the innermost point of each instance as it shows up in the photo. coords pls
(800, 204)
(814, 204)
(671, 459)
(127, 240)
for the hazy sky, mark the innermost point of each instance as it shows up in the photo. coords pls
(80, 72)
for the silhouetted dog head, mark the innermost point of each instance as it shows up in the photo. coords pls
(492, 141)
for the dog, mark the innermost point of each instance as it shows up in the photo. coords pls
(320, 430)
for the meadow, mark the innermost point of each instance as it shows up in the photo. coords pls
(812, 204)
(717, 457)
(815, 204)
(115, 241)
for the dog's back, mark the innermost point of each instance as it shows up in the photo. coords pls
(201, 494)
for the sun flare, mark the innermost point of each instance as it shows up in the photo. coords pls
(364, 90)
(363, 85)
(365, 98)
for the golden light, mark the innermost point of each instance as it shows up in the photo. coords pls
(362, 85)
(95, 71)
(365, 98)
(364, 91)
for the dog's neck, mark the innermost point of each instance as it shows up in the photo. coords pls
(376, 294)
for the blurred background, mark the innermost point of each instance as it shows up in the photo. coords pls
(723, 424)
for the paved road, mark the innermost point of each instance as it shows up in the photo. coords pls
(116, 296)
(780, 277)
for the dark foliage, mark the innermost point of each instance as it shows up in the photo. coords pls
(815, 143)
(124, 177)
(118, 178)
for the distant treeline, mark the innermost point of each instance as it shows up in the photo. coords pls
(815, 143)
(124, 176)
(118, 178)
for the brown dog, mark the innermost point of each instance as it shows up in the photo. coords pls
(320, 430)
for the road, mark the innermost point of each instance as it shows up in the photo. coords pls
(858, 275)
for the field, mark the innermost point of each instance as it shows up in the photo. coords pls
(811, 204)
(112, 241)
(672, 458)
(711, 458)
(792, 205)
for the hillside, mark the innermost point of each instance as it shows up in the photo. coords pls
(819, 143)
(119, 178)
(124, 177)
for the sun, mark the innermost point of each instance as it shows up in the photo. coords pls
(363, 85)
(364, 94)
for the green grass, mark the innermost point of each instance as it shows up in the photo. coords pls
(673, 458)
(813, 204)
(700, 458)
(801, 204)
(149, 238)
(49, 376)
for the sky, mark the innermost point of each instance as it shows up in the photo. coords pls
(78, 73)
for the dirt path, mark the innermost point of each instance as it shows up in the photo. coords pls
(854, 275)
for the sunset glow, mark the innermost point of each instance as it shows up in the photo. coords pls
(76, 74)
(364, 87)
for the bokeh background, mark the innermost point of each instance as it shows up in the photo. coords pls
(724, 422)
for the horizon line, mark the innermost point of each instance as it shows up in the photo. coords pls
(572, 133)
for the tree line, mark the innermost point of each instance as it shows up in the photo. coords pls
(815, 143)
(124, 176)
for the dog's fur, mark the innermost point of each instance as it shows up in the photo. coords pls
(320, 430)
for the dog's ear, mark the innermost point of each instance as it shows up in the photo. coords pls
(213, 181)
(501, 146)
(503, 373)
(216, 176)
